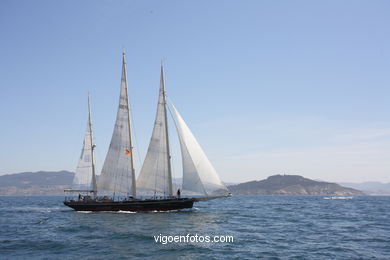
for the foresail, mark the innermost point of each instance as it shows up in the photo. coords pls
(199, 176)
(154, 176)
(83, 177)
(117, 171)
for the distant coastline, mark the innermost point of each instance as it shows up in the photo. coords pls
(292, 185)
(35, 183)
(45, 183)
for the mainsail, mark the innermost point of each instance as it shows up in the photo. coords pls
(199, 176)
(156, 173)
(118, 174)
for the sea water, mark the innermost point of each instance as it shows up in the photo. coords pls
(265, 227)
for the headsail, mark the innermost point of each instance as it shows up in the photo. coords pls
(85, 178)
(118, 170)
(199, 176)
(156, 174)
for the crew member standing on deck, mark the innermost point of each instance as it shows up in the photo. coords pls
(178, 193)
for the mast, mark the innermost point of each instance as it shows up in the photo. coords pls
(94, 185)
(133, 184)
(166, 133)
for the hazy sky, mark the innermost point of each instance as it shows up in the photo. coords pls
(267, 87)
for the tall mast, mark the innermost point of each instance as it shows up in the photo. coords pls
(133, 184)
(94, 185)
(166, 132)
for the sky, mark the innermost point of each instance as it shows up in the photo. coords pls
(267, 87)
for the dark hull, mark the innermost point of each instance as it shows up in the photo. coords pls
(132, 205)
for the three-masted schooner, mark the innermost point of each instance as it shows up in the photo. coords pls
(117, 178)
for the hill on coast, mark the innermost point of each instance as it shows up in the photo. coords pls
(35, 183)
(291, 185)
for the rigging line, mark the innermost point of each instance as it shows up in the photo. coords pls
(98, 157)
(94, 158)
(116, 172)
(166, 179)
(172, 164)
(174, 177)
(163, 176)
(126, 178)
(155, 175)
(123, 178)
(129, 177)
(135, 137)
(164, 164)
(173, 167)
(160, 158)
(162, 144)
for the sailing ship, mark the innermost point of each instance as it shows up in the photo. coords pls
(116, 188)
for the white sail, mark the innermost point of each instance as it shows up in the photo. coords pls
(155, 174)
(199, 176)
(83, 177)
(118, 171)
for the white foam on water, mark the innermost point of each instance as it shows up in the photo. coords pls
(126, 212)
(35, 209)
(338, 198)
(164, 211)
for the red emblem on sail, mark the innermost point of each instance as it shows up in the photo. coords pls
(127, 152)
